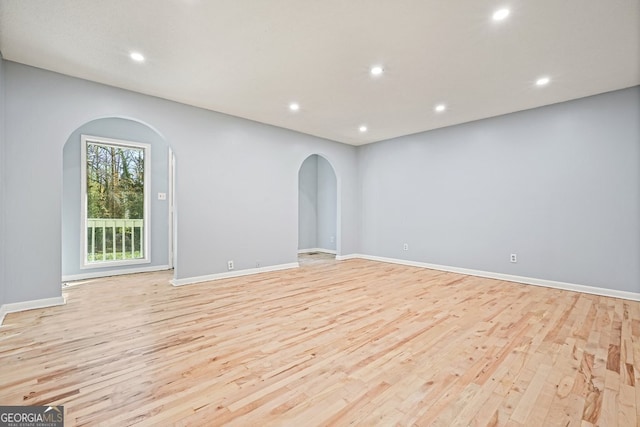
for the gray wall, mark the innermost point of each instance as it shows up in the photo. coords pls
(123, 129)
(2, 181)
(327, 209)
(236, 180)
(559, 186)
(317, 212)
(308, 203)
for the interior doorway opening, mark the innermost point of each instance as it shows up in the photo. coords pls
(110, 233)
(317, 210)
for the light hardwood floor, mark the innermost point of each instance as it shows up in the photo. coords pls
(331, 343)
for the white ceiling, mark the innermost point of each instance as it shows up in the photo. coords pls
(251, 58)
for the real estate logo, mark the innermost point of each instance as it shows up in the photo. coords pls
(31, 416)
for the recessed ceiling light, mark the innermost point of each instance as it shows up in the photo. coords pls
(363, 128)
(542, 81)
(137, 56)
(440, 108)
(294, 106)
(376, 70)
(500, 14)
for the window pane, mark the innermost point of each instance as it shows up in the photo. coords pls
(115, 202)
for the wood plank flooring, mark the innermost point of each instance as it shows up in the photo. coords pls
(331, 343)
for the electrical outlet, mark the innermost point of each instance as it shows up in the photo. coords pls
(514, 258)
(230, 265)
(257, 264)
(332, 239)
(162, 196)
(405, 247)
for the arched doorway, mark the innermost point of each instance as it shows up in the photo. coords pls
(115, 236)
(317, 207)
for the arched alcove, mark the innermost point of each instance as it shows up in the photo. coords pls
(317, 206)
(160, 176)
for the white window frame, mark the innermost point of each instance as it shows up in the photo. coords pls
(85, 140)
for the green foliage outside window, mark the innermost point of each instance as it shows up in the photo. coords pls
(115, 191)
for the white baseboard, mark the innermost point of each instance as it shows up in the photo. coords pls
(349, 256)
(310, 250)
(14, 307)
(501, 276)
(229, 274)
(119, 272)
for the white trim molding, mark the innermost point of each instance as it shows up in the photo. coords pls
(119, 272)
(349, 256)
(15, 307)
(246, 272)
(633, 296)
(310, 250)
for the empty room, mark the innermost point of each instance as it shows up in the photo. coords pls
(306, 213)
